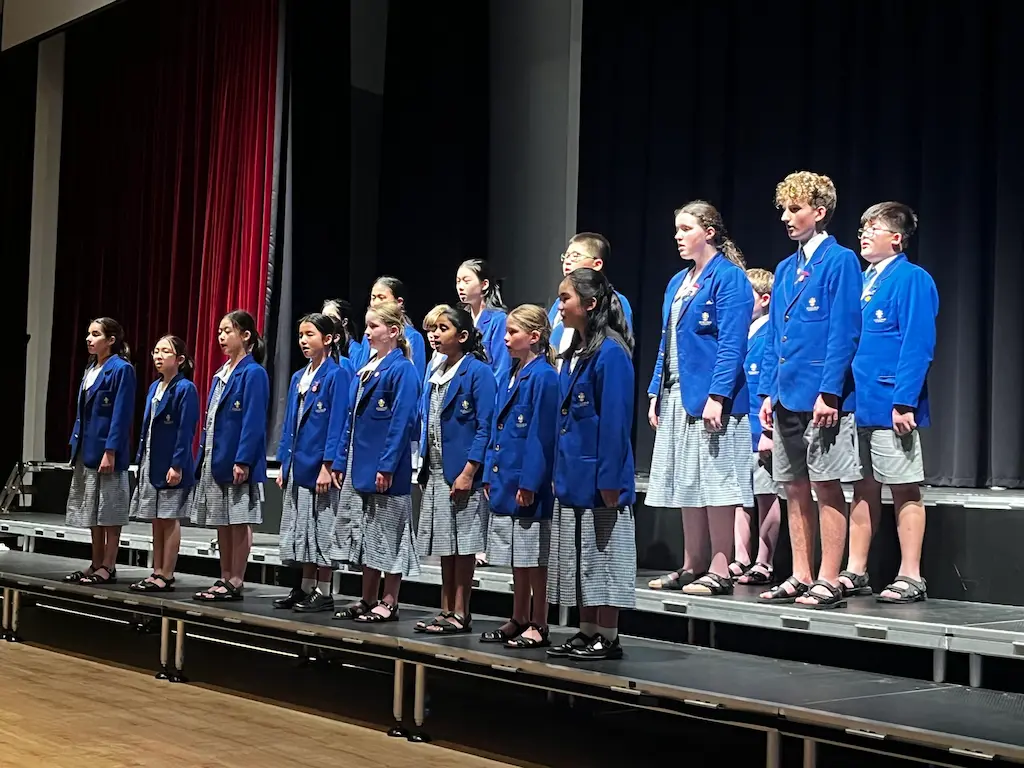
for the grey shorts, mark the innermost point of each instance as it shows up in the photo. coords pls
(890, 458)
(819, 454)
(764, 483)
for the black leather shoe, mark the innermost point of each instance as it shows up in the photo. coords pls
(315, 602)
(598, 649)
(565, 650)
(293, 598)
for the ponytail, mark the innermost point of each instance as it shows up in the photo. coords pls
(732, 252)
(258, 349)
(125, 352)
(245, 323)
(112, 329)
(187, 366)
(617, 321)
(475, 346)
(403, 344)
(606, 320)
(328, 325)
(530, 318)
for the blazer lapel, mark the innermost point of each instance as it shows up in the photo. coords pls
(508, 396)
(165, 401)
(313, 393)
(454, 387)
(97, 385)
(808, 271)
(371, 383)
(580, 365)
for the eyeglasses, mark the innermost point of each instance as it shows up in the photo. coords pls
(872, 231)
(571, 257)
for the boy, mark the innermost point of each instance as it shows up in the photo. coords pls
(807, 385)
(766, 490)
(586, 249)
(899, 304)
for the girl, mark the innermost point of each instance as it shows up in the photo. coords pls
(518, 474)
(373, 469)
(313, 423)
(455, 414)
(99, 498)
(167, 467)
(593, 545)
(349, 344)
(234, 448)
(387, 288)
(701, 458)
(480, 294)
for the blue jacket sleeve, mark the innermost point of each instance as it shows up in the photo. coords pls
(769, 379)
(284, 447)
(403, 418)
(734, 304)
(539, 451)
(418, 349)
(843, 325)
(497, 353)
(654, 388)
(615, 383)
(345, 427)
(916, 314)
(484, 393)
(340, 383)
(146, 415)
(124, 410)
(188, 419)
(253, 436)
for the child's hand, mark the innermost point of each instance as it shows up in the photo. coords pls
(280, 481)
(323, 480)
(765, 414)
(487, 491)
(826, 414)
(106, 463)
(713, 415)
(338, 478)
(765, 444)
(903, 422)
(173, 476)
(524, 498)
(652, 413)
(463, 485)
(610, 498)
(383, 482)
(240, 474)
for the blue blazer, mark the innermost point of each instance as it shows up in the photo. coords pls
(384, 426)
(321, 426)
(559, 329)
(417, 348)
(491, 325)
(897, 346)
(523, 436)
(814, 329)
(466, 416)
(241, 424)
(174, 431)
(104, 415)
(752, 368)
(595, 421)
(711, 337)
(358, 352)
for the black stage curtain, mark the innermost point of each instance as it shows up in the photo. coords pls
(904, 101)
(17, 142)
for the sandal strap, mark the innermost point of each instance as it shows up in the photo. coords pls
(835, 592)
(912, 585)
(779, 590)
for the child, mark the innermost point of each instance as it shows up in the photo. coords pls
(455, 414)
(98, 499)
(373, 469)
(807, 386)
(386, 288)
(313, 424)
(588, 250)
(593, 548)
(699, 402)
(766, 490)
(349, 344)
(518, 476)
(167, 466)
(480, 294)
(234, 448)
(899, 304)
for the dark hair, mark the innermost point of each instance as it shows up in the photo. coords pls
(896, 216)
(482, 270)
(187, 367)
(244, 322)
(605, 320)
(709, 218)
(345, 319)
(327, 325)
(393, 284)
(463, 323)
(112, 328)
(595, 244)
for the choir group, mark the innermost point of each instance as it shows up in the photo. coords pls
(517, 431)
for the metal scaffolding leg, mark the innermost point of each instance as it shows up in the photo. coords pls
(774, 756)
(974, 660)
(939, 665)
(165, 649)
(178, 673)
(398, 702)
(810, 754)
(12, 627)
(6, 622)
(691, 632)
(711, 634)
(419, 705)
(563, 615)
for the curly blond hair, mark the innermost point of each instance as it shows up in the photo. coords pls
(806, 187)
(761, 280)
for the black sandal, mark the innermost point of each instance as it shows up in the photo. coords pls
(709, 585)
(675, 580)
(914, 592)
(742, 568)
(422, 624)
(77, 576)
(447, 626)
(95, 580)
(231, 593)
(149, 584)
(861, 584)
(834, 600)
(759, 574)
(500, 636)
(376, 618)
(354, 611)
(522, 643)
(781, 596)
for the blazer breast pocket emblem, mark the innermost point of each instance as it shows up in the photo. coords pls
(705, 319)
(880, 316)
(382, 405)
(168, 419)
(320, 406)
(106, 400)
(236, 406)
(812, 305)
(466, 406)
(521, 421)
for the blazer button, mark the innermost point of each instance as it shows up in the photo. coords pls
(501, 425)
(563, 430)
(785, 338)
(497, 447)
(787, 318)
(494, 468)
(782, 360)
(565, 411)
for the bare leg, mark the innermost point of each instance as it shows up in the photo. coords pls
(448, 577)
(465, 566)
(864, 517)
(608, 621)
(803, 529)
(99, 542)
(159, 545)
(520, 597)
(832, 510)
(538, 579)
(226, 548)
(742, 536)
(112, 534)
(240, 553)
(769, 517)
(696, 540)
(392, 585)
(371, 585)
(721, 531)
(910, 525)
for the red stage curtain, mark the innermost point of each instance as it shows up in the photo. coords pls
(166, 182)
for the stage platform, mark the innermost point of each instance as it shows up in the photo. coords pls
(937, 723)
(939, 626)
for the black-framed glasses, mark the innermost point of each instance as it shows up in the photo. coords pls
(571, 256)
(872, 231)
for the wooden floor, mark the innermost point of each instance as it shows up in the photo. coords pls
(61, 711)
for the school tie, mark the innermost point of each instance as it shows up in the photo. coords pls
(869, 275)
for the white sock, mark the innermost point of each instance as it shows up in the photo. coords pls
(609, 633)
(588, 629)
(308, 585)
(324, 587)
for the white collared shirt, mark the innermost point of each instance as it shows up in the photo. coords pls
(812, 245)
(443, 375)
(756, 325)
(869, 287)
(307, 376)
(91, 375)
